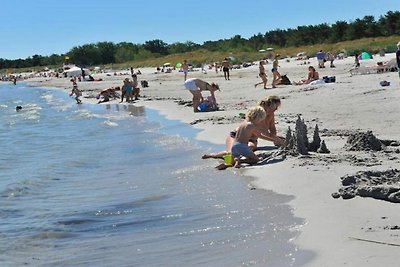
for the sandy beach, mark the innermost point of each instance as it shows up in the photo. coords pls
(358, 231)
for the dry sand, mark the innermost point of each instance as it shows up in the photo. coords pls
(360, 231)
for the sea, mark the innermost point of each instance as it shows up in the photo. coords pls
(120, 185)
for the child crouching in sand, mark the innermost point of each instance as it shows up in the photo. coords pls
(247, 129)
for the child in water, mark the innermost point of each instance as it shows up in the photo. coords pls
(75, 91)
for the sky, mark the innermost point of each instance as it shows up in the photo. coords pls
(45, 27)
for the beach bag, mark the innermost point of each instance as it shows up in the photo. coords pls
(144, 83)
(328, 79)
(285, 80)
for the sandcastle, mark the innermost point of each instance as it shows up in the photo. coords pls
(297, 141)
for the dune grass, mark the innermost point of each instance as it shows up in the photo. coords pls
(372, 45)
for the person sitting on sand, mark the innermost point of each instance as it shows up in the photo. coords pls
(247, 130)
(196, 86)
(270, 105)
(106, 94)
(262, 75)
(313, 75)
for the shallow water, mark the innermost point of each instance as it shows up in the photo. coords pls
(102, 185)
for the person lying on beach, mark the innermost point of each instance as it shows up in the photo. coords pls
(248, 129)
(196, 86)
(208, 104)
(267, 126)
(313, 75)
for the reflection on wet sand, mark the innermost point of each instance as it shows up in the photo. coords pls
(137, 111)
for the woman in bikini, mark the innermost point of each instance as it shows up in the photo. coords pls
(275, 73)
(262, 75)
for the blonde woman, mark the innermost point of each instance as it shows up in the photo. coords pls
(275, 73)
(262, 75)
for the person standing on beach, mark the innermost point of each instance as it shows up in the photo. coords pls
(262, 75)
(185, 69)
(398, 57)
(356, 61)
(225, 68)
(275, 73)
(135, 86)
(321, 59)
(196, 86)
(126, 90)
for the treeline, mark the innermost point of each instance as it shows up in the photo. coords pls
(109, 53)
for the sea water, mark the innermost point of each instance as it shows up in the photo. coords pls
(119, 185)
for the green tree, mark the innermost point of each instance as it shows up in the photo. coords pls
(85, 55)
(338, 31)
(107, 52)
(156, 46)
(390, 23)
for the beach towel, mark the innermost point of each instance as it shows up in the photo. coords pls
(317, 82)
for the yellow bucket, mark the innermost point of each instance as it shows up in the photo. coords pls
(228, 159)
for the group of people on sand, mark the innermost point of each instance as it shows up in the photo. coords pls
(130, 91)
(276, 76)
(241, 143)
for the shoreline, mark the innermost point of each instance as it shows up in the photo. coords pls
(335, 229)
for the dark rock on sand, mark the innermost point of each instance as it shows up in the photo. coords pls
(383, 185)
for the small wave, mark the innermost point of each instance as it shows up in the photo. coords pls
(53, 235)
(110, 123)
(48, 97)
(84, 113)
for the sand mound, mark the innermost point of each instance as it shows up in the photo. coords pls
(363, 142)
(384, 185)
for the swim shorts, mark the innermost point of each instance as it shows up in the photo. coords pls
(190, 84)
(240, 149)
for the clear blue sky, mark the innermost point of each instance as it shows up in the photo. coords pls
(46, 27)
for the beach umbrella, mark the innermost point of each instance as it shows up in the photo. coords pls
(76, 71)
(167, 64)
(262, 50)
(270, 49)
(366, 55)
